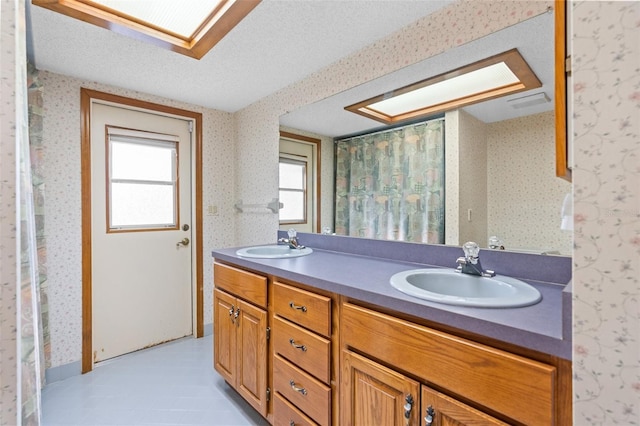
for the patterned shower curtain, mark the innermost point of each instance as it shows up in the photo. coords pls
(390, 184)
(30, 349)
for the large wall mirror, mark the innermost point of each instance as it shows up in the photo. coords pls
(500, 154)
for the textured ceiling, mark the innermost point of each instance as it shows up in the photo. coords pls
(278, 43)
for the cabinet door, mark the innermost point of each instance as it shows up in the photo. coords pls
(441, 410)
(375, 395)
(252, 356)
(224, 335)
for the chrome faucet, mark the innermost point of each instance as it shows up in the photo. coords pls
(470, 263)
(292, 240)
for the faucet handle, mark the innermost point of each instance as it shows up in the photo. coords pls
(292, 233)
(471, 250)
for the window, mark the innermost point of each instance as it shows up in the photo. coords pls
(142, 181)
(191, 28)
(293, 190)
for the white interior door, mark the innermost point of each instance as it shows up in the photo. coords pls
(141, 220)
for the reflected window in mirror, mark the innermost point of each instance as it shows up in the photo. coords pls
(292, 191)
(299, 181)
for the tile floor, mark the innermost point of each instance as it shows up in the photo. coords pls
(170, 384)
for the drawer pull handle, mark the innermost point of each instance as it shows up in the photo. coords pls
(303, 348)
(297, 388)
(292, 423)
(300, 308)
(431, 414)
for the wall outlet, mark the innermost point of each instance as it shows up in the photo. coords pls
(212, 210)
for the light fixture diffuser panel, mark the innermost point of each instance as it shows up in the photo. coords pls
(489, 78)
(460, 87)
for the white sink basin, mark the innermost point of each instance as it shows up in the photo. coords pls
(273, 252)
(454, 288)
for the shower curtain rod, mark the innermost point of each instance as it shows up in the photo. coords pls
(387, 129)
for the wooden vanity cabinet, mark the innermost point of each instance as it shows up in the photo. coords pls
(518, 389)
(301, 342)
(327, 359)
(240, 333)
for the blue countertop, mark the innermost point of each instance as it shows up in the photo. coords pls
(543, 327)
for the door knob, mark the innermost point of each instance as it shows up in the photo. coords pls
(184, 242)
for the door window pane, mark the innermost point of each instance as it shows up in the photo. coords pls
(141, 205)
(142, 162)
(142, 184)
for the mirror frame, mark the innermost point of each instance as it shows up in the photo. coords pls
(563, 169)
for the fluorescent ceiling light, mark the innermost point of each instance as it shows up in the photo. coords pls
(489, 78)
(191, 28)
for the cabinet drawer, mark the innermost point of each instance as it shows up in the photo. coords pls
(308, 394)
(245, 285)
(286, 414)
(312, 353)
(517, 387)
(307, 309)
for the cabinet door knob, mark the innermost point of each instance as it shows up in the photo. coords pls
(431, 414)
(299, 308)
(303, 391)
(303, 348)
(408, 406)
(233, 308)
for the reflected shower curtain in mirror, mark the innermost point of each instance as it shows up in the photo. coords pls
(390, 184)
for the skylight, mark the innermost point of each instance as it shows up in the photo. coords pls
(191, 28)
(171, 15)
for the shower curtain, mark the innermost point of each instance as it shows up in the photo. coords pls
(390, 184)
(30, 191)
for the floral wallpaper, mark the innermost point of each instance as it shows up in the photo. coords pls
(606, 182)
(390, 184)
(9, 242)
(523, 186)
(465, 179)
